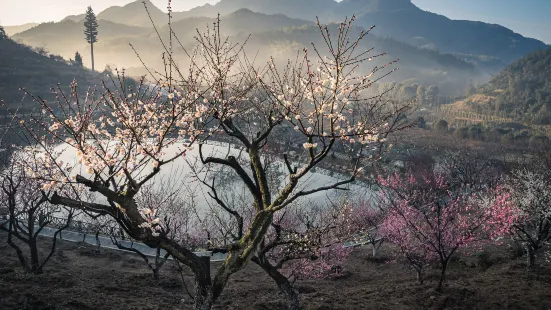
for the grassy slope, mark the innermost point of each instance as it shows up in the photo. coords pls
(23, 67)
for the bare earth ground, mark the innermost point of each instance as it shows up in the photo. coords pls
(79, 278)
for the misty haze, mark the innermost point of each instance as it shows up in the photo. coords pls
(275, 154)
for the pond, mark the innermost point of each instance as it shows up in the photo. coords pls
(184, 172)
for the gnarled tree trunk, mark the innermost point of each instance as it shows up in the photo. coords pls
(35, 264)
(204, 297)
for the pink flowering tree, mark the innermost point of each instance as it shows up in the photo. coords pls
(305, 241)
(430, 221)
(396, 231)
(122, 139)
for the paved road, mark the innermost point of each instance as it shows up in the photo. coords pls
(105, 242)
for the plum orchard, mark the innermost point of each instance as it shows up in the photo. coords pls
(124, 139)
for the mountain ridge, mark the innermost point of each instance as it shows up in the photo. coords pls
(399, 19)
(66, 37)
(13, 30)
(134, 14)
(489, 48)
(272, 35)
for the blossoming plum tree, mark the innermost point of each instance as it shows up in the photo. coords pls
(306, 240)
(531, 191)
(428, 220)
(123, 139)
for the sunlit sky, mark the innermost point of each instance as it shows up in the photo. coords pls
(531, 18)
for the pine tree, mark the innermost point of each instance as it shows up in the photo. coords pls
(3, 34)
(78, 60)
(91, 31)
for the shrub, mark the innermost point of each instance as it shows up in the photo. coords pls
(441, 125)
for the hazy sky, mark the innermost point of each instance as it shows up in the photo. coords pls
(531, 18)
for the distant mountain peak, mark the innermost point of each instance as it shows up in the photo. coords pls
(134, 14)
(243, 11)
(378, 5)
(140, 4)
(398, 19)
(390, 5)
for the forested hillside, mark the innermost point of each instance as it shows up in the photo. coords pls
(523, 89)
(66, 37)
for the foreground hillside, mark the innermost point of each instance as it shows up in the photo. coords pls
(78, 278)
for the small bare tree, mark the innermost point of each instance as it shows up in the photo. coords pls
(472, 169)
(177, 208)
(29, 213)
(154, 265)
(365, 222)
